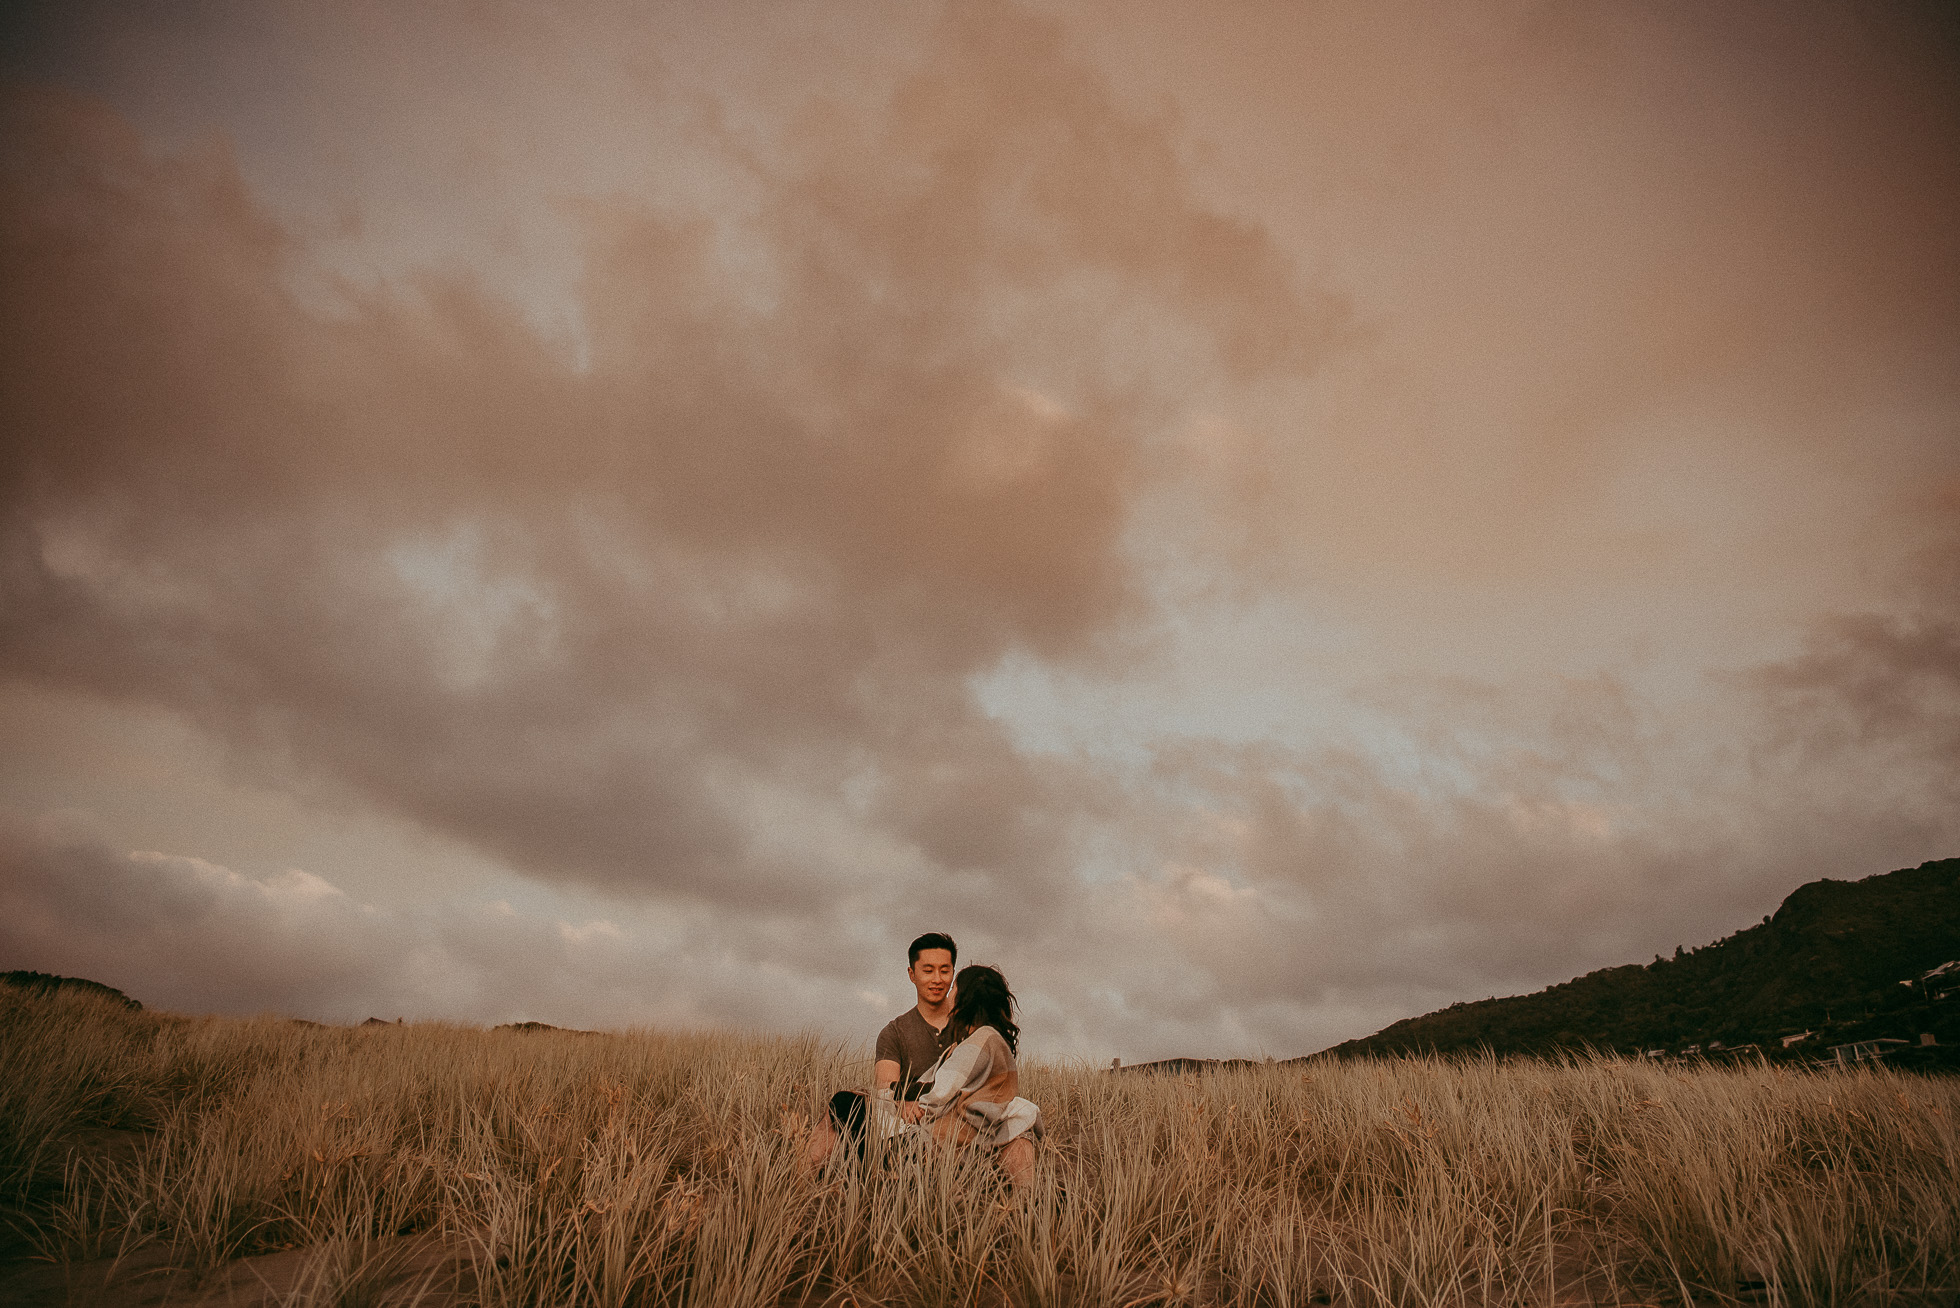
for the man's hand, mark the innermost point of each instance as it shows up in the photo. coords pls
(911, 1111)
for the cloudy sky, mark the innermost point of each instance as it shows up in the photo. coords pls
(1261, 519)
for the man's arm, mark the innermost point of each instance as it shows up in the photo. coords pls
(884, 1075)
(884, 1072)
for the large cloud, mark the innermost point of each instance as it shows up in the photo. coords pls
(1405, 517)
(574, 612)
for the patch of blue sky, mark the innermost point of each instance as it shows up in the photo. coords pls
(1222, 674)
(1221, 688)
(1103, 857)
(478, 615)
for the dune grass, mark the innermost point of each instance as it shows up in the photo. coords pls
(651, 1168)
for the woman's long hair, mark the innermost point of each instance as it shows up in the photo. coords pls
(981, 998)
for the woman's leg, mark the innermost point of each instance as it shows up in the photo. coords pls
(823, 1139)
(846, 1115)
(1017, 1160)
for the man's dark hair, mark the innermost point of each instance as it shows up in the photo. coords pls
(931, 940)
(981, 998)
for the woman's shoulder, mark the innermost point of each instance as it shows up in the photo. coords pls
(992, 1039)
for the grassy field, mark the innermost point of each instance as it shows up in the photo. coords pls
(146, 1157)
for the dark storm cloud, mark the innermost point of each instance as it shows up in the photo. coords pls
(1873, 683)
(564, 612)
(1875, 694)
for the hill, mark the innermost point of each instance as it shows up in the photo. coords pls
(47, 983)
(1843, 960)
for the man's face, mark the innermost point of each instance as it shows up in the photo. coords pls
(932, 975)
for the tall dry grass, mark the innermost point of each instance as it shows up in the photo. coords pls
(652, 1168)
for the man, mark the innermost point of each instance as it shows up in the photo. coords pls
(907, 1048)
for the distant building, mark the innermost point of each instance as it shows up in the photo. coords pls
(1864, 1050)
(1938, 983)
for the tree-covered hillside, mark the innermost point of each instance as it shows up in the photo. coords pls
(1830, 961)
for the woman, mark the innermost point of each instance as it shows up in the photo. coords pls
(975, 1089)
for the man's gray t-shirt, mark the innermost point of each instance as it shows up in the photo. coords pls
(910, 1041)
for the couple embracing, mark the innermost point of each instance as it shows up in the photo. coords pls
(945, 1068)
